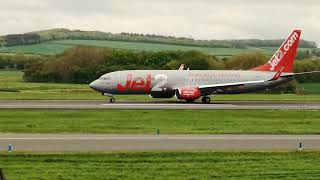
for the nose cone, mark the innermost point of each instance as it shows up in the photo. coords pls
(96, 85)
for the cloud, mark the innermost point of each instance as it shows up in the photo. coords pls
(201, 19)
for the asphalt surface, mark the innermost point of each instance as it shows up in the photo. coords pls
(54, 104)
(84, 143)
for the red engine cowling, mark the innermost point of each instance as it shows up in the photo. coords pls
(188, 93)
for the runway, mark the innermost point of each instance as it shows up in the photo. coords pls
(84, 143)
(74, 104)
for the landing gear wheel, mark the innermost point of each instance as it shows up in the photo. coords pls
(206, 100)
(112, 100)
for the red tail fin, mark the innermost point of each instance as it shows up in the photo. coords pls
(285, 55)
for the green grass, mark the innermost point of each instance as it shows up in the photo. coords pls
(12, 81)
(168, 121)
(163, 165)
(310, 88)
(159, 47)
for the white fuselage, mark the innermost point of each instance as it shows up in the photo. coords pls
(147, 81)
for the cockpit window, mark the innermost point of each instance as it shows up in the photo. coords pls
(105, 78)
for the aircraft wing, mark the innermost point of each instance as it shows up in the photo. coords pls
(212, 88)
(301, 73)
(276, 76)
(230, 84)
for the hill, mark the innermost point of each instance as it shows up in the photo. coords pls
(62, 34)
(55, 41)
(57, 47)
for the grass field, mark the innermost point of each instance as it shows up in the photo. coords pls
(162, 47)
(168, 121)
(163, 165)
(42, 49)
(12, 81)
(56, 47)
(311, 88)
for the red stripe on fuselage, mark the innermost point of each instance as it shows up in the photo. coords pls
(136, 84)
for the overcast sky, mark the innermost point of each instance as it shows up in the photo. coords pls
(200, 19)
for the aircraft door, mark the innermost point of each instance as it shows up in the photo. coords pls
(161, 80)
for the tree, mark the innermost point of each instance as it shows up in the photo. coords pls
(246, 61)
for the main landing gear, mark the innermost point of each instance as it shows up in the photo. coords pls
(205, 99)
(112, 100)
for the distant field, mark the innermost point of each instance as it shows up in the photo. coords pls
(56, 47)
(168, 121)
(162, 165)
(11, 81)
(161, 47)
(42, 49)
(311, 88)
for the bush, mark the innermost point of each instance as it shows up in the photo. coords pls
(246, 61)
(83, 64)
(306, 66)
(18, 61)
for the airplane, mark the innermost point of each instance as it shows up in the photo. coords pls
(191, 85)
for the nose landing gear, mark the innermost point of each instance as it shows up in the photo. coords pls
(205, 100)
(112, 99)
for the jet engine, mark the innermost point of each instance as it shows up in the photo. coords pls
(188, 93)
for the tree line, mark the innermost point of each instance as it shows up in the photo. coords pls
(18, 61)
(84, 64)
(20, 39)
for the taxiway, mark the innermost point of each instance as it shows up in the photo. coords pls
(100, 142)
(56, 104)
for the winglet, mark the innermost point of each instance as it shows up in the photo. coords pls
(181, 67)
